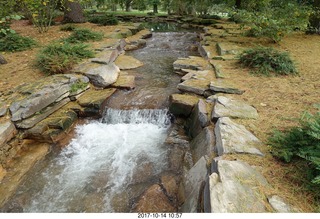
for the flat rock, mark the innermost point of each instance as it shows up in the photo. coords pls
(105, 56)
(54, 128)
(210, 51)
(125, 62)
(234, 138)
(226, 107)
(221, 86)
(154, 200)
(203, 144)
(31, 121)
(95, 100)
(7, 132)
(196, 86)
(125, 81)
(34, 97)
(3, 110)
(110, 44)
(226, 48)
(236, 188)
(192, 62)
(182, 104)
(99, 74)
(193, 180)
(193, 74)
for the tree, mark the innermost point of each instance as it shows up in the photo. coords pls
(314, 19)
(73, 12)
(154, 4)
(126, 4)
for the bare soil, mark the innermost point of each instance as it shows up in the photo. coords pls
(279, 100)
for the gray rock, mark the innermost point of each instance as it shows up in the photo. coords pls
(279, 205)
(196, 86)
(221, 86)
(199, 118)
(3, 110)
(31, 121)
(125, 81)
(192, 185)
(100, 75)
(7, 132)
(234, 138)
(228, 49)
(225, 107)
(104, 56)
(198, 74)
(235, 188)
(182, 104)
(203, 144)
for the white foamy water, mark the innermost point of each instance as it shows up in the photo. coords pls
(103, 159)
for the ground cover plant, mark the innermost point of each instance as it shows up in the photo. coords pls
(83, 35)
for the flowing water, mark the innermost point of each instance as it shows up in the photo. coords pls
(111, 161)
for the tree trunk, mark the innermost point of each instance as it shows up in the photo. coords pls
(128, 6)
(73, 13)
(314, 19)
(238, 4)
(155, 8)
(2, 60)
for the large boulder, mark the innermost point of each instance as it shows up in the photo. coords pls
(236, 187)
(234, 138)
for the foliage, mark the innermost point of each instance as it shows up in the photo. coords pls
(68, 27)
(59, 57)
(105, 19)
(78, 86)
(268, 60)
(314, 25)
(5, 23)
(83, 35)
(302, 141)
(14, 42)
(41, 12)
(7, 7)
(275, 21)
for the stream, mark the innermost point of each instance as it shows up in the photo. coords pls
(111, 161)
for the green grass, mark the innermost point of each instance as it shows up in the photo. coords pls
(58, 58)
(13, 42)
(68, 27)
(83, 35)
(267, 61)
(105, 19)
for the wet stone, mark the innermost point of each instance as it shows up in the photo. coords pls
(125, 62)
(125, 81)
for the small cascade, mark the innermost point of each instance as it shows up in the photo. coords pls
(105, 157)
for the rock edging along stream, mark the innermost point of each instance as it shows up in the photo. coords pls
(213, 184)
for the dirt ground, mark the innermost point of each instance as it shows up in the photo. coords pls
(278, 99)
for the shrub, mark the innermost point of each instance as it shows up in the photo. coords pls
(83, 35)
(68, 27)
(103, 20)
(60, 57)
(14, 42)
(5, 23)
(267, 60)
(302, 141)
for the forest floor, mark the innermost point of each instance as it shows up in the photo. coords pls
(279, 100)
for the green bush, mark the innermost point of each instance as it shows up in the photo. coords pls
(103, 20)
(268, 60)
(273, 22)
(14, 42)
(83, 35)
(68, 27)
(60, 57)
(302, 141)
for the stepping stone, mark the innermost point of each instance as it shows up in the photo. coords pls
(192, 62)
(233, 138)
(196, 86)
(226, 107)
(125, 81)
(104, 56)
(236, 187)
(125, 62)
(221, 86)
(193, 74)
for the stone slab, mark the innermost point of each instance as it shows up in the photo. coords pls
(222, 86)
(7, 132)
(125, 62)
(196, 86)
(182, 104)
